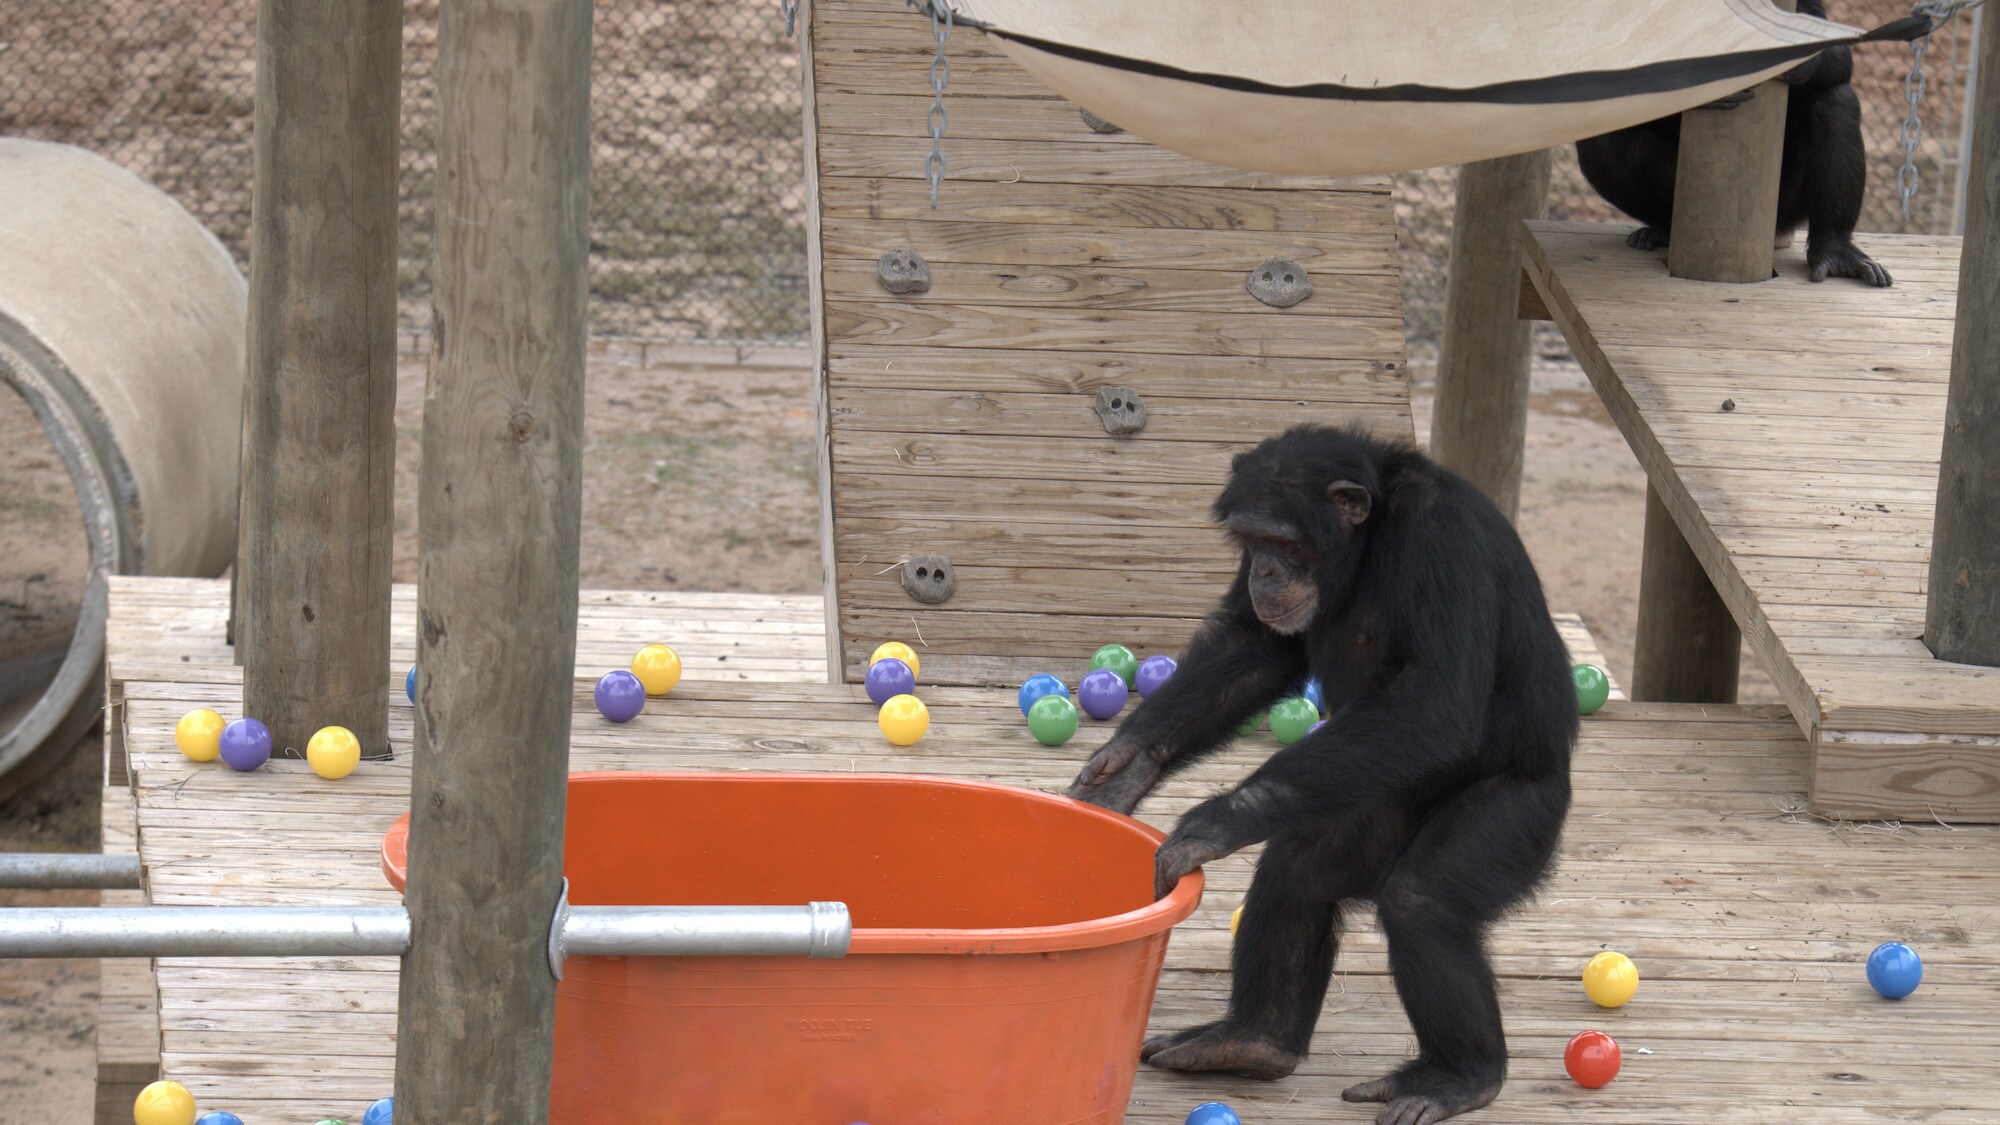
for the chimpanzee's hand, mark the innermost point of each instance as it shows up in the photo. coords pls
(1209, 831)
(1119, 775)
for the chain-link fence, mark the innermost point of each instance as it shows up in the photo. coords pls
(1424, 199)
(697, 182)
(697, 177)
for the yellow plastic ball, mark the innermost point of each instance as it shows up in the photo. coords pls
(164, 1103)
(333, 752)
(199, 734)
(904, 719)
(1235, 920)
(1610, 979)
(898, 650)
(658, 668)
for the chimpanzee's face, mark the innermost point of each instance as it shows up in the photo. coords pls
(1283, 571)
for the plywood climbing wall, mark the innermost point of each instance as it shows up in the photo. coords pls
(962, 420)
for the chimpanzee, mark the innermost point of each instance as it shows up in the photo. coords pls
(1821, 182)
(1437, 788)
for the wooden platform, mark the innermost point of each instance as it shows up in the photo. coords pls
(1687, 849)
(1794, 429)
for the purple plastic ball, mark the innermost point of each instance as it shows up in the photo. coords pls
(246, 744)
(1102, 694)
(889, 677)
(1153, 671)
(620, 696)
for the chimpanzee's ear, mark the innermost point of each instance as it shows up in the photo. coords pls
(1351, 500)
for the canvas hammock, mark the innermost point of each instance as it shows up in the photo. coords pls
(1346, 87)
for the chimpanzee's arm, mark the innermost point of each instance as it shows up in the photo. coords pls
(1234, 666)
(1385, 747)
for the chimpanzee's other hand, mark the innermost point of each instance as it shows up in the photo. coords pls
(1204, 834)
(1118, 776)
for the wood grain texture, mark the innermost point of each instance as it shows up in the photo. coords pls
(1805, 503)
(1962, 617)
(499, 502)
(1688, 647)
(1062, 261)
(319, 421)
(809, 23)
(1479, 426)
(128, 1009)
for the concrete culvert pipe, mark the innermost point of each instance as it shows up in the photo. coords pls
(122, 326)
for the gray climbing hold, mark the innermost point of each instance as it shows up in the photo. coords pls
(1120, 409)
(1280, 283)
(1098, 124)
(928, 578)
(903, 271)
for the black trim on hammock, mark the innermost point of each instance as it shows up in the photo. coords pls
(1582, 86)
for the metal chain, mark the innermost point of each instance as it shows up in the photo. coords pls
(791, 10)
(1941, 13)
(941, 18)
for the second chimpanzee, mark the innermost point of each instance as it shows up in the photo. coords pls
(1823, 178)
(1437, 788)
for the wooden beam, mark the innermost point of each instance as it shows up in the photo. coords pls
(1695, 643)
(498, 507)
(1962, 615)
(319, 419)
(822, 372)
(1689, 647)
(1480, 425)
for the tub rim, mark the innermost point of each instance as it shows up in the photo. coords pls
(1112, 929)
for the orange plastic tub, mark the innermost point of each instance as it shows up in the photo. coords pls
(1006, 948)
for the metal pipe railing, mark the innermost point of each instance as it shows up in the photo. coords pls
(49, 871)
(821, 929)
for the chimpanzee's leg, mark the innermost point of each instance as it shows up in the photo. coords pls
(1283, 957)
(1633, 169)
(1479, 853)
(1834, 181)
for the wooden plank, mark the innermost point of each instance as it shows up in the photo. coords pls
(980, 458)
(853, 281)
(1162, 207)
(816, 267)
(1035, 244)
(128, 1019)
(1083, 372)
(1062, 329)
(1074, 416)
(1059, 162)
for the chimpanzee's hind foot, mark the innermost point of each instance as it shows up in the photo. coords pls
(1222, 1046)
(1647, 238)
(1420, 1094)
(1846, 260)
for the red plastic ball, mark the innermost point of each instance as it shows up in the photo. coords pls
(1592, 1059)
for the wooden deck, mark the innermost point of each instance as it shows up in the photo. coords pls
(1687, 849)
(1794, 429)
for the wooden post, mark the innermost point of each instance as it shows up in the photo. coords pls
(1689, 645)
(498, 513)
(1689, 649)
(1479, 427)
(319, 420)
(1962, 616)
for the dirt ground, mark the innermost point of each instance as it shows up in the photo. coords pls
(723, 498)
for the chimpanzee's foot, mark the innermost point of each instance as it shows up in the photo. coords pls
(1418, 1093)
(1844, 259)
(1647, 238)
(1223, 1046)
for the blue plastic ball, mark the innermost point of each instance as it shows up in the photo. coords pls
(1102, 694)
(1213, 1113)
(1153, 671)
(218, 1117)
(1314, 695)
(381, 1113)
(620, 696)
(410, 684)
(888, 678)
(246, 744)
(1895, 969)
(1038, 686)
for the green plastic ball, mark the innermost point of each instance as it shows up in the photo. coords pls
(1251, 724)
(1119, 659)
(1593, 687)
(1052, 719)
(1292, 717)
